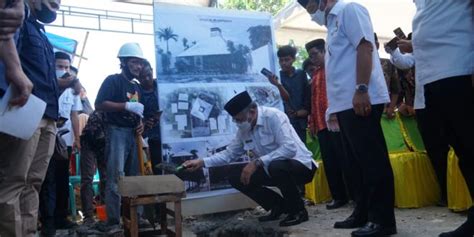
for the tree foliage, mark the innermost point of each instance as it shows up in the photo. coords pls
(167, 34)
(271, 6)
(259, 36)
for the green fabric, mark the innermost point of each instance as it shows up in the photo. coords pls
(393, 135)
(313, 145)
(413, 133)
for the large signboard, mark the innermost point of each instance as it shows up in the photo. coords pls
(204, 56)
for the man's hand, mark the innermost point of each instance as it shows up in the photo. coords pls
(151, 122)
(21, 84)
(192, 165)
(361, 103)
(387, 49)
(390, 111)
(274, 80)
(140, 128)
(406, 110)
(11, 19)
(65, 82)
(247, 172)
(333, 123)
(405, 46)
(77, 143)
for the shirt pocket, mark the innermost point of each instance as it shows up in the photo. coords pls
(65, 106)
(33, 44)
(267, 139)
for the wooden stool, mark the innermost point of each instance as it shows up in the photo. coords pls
(156, 189)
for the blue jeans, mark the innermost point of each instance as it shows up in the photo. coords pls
(121, 153)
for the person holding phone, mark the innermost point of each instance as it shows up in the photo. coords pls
(151, 114)
(357, 94)
(294, 90)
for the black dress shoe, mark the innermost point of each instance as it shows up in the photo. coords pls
(374, 230)
(65, 223)
(48, 229)
(295, 219)
(466, 229)
(275, 214)
(350, 223)
(336, 204)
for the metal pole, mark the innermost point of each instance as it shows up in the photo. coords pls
(82, 51)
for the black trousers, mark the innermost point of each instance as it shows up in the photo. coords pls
(448, 120)
(334, 158)
(154, 144)
(285, 175)
(437, 147)
(54, 194)
(371, 174)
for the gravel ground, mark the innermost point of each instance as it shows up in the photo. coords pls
(429, 222)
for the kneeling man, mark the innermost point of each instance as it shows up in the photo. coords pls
(281, 159)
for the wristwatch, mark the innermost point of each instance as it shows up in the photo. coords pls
(362, 88)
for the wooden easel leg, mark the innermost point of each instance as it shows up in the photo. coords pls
(126, 216)
(133, 221)
(177, 218)
(163, 221)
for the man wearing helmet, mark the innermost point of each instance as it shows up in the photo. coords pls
(118, 97)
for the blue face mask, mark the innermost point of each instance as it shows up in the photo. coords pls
(60, 73)
(45, 15)
(319, 16)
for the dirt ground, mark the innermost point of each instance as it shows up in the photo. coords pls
(428, 221)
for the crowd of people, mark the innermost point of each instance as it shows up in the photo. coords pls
(342, 104)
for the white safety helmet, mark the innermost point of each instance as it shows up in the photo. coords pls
(130, 50)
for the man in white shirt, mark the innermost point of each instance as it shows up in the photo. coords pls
(357, 93)
(54, 195)
(443, 47)
(279, 159)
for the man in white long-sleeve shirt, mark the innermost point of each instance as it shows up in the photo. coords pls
(280, 159)
(443, 47)
(401, 61)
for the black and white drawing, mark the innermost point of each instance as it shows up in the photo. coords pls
(190, 112)
(203, 47)
(204, 57)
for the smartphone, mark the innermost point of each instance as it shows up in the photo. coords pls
(266, 72)
(392, 44)
(399, 33)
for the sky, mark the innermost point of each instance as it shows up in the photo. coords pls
(101, 48)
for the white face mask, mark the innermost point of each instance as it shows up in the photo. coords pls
(319, 17)
(244, 126)
(60, 73)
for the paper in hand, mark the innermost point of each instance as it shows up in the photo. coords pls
(23, 121)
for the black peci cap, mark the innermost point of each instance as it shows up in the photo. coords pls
(238, 103)
(303, 3)
(318, 43)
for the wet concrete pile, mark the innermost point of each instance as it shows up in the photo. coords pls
(238, 225)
